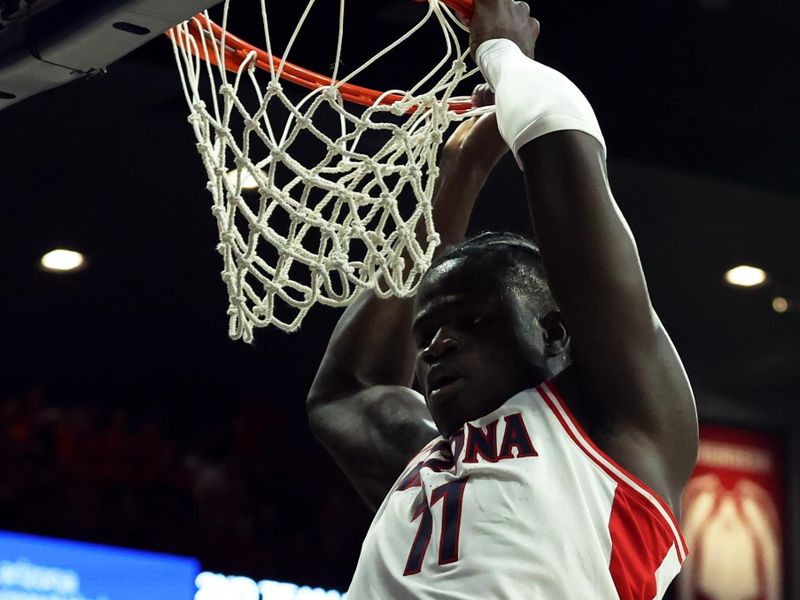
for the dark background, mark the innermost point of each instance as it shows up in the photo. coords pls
(129, 417)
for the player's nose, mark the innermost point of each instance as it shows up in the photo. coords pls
(444, 342)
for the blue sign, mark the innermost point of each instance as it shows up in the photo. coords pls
(36, 568)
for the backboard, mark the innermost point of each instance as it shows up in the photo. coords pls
(47, 43)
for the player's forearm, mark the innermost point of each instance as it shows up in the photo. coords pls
(587, 247)
(372, 343)
(551, 127)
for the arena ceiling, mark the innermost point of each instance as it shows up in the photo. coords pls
(698, 103)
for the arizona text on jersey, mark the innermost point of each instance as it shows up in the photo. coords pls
(519, 504)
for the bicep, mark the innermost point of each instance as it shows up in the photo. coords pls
(373, 434)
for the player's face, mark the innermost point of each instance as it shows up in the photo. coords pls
(478, 342)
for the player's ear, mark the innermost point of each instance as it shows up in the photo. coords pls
(556, 336)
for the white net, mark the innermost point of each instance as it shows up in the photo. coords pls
(342, 197)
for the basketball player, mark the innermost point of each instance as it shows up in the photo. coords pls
(549, 453)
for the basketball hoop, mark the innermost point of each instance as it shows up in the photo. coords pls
(323, 226)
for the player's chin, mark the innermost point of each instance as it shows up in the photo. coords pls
(448, 403)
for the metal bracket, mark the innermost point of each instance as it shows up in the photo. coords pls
(47, 43)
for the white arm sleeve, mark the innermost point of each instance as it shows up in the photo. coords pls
(531, 99)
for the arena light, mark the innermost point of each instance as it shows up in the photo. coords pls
(746, 276)
(780, 305)
(232, 587)
(62, 261)
(248, 181)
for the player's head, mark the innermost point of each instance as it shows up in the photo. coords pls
(486, 327)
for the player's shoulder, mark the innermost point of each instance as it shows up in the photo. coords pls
(634, 451)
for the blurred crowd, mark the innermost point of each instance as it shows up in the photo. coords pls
(236, 483)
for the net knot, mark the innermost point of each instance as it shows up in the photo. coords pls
(398, 108)
(386, 201)
(339, 261)
(304, 122)
(376, 238)
(278, 155)
(331, 94)
(459, 66)
(274, 87)
(237, 303)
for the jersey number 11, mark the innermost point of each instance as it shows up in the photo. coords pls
(452, 495)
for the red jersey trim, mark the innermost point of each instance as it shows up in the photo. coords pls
(574, 430)
(634, 565)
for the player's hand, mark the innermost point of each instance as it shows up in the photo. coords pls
(503, 19)
(477, 141)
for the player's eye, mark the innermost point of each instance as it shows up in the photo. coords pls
(471, 321)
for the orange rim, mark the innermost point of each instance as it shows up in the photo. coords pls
(237, 51)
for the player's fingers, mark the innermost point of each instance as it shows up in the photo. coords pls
(482, 95)
(528, 42)
(463, 129)
(484, 141)
(485, 134)
(464, 17)
(536, 27)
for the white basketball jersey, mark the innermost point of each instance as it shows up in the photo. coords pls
(519, 504)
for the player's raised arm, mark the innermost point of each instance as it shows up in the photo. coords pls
(620, 349)
(361, 405)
